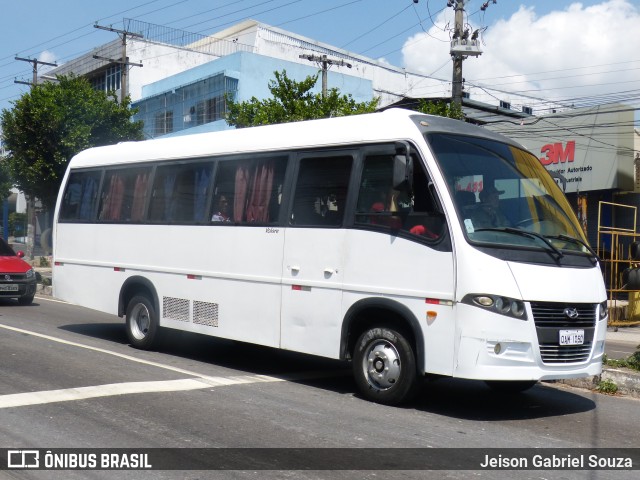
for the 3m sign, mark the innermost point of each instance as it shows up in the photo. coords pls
(555, 153)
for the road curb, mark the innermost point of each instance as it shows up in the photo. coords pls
(627, 381)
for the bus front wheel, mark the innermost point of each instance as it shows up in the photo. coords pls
(142, 323)
(384, 366)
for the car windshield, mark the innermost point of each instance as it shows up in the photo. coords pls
(504, 196)
(5, 249)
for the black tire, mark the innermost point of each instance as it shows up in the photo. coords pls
(384, 366)
(27, 300)
(142, 323)
(510, 386)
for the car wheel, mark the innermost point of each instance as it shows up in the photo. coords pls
(142, 323)
(384, 366)
(26, 300)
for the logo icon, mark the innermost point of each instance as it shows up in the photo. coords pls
(571, 312)
(23, 459)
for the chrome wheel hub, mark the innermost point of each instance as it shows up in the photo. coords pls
(382, 365)
(140, 321)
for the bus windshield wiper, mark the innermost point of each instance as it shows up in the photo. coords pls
(576, 241)
(525, 233)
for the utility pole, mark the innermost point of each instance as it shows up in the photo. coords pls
(463, 44)
(34, 62)
(31, 201)
(456, 82)
(325, 63)
(123, 61)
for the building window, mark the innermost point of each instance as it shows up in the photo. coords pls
(112, 78)
(108, 80)
(163, 123)
(527, 110)
(504, 104)
(195, 104)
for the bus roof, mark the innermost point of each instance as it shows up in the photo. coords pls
(388, 125)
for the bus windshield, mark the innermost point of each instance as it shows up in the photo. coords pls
(504, 196)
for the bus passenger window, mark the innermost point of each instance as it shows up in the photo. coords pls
(123, 195)
(382, 207)
(249, 190)
(321, 191)
(180, 193)
(81, 196)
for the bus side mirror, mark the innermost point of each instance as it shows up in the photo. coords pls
(403, 168)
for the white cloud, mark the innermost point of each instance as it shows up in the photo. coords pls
(554, 55)
(49, 57)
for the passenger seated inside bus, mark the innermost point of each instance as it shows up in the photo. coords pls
(221, 211)
(397, 210)
(488, 213)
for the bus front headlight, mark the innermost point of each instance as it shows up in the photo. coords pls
(510, 307)
(603, 310)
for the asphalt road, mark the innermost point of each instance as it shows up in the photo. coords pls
(70, 380)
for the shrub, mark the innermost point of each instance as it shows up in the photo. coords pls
(607, 387)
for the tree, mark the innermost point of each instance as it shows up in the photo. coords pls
(441, 108)
(292, 102)
(5, 181)
(53, 122)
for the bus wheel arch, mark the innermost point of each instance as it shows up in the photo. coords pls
(385, 343)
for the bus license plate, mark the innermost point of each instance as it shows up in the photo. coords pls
(9, 288)
(571, 337)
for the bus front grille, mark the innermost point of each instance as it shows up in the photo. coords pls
(550, 318)
(565, 353)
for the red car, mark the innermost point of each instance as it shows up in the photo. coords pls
(17, 278)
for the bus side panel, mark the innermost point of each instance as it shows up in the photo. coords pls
(209, 279)
(394, 268)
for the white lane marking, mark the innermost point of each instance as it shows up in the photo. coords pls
(102, 350)
(199, 382)
(109, 390)
(51, 299)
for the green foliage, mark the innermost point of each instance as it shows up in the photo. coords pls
(608, 387)
(53, 122)
(292, 102)
(5, 180)
(632, 361)
(441, 108)
(17, 224)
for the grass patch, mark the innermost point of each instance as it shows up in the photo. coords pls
(632, 361)
(607, 387)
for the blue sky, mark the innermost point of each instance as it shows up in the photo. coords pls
(549, 49)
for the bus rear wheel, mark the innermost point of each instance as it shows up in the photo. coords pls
(384, 366)
(142, 323)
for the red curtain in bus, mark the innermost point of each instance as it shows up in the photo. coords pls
(262, 184)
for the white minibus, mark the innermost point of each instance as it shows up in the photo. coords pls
(407, 244)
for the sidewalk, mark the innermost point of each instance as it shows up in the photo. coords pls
(629, 335)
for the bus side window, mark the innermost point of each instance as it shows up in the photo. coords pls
(180, 193)
(249, 190)
(321, 191)
(123, 195)
(81, 196)
(382, 207)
